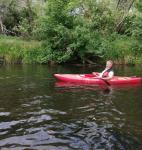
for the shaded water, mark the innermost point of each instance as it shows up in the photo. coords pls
(37, 113)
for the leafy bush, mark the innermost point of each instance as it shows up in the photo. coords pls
(79, 31)
(75, 29)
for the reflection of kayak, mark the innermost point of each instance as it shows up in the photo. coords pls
(91, 79)
(62, 84)
(81, 87)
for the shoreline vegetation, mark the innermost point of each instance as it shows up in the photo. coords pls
(15, 50)
(71, 31)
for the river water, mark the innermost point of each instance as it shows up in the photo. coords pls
(38, 113)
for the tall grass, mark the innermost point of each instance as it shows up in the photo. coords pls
(16, 50)
(123, 50)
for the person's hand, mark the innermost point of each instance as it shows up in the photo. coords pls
(95, 73)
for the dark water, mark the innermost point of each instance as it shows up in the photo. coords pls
(38, 113)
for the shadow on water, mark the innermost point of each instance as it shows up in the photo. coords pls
(38, 113)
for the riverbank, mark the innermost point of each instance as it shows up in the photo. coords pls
(17, 50)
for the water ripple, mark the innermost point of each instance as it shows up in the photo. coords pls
(34, 114)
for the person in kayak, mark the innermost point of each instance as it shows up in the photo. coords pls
(108, 73)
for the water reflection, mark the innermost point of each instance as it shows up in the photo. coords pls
(65, 86)
(45, 114)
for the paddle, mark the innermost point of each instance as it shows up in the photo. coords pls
(106, 82)
(91, 75)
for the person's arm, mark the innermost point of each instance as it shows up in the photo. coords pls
(101, 74)
(96, 73)
(110, 76)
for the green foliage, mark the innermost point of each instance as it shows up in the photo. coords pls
(123, 49)
(15, 50)
(10, 13)
(75, 30)
(18, 19)
(137, 27)
(136, 22)
(27, 23)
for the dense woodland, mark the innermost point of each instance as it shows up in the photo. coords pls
(71, 31)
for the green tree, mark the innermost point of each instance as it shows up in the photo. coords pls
(18, 16)
(75, 29)
(9, 15)
(137, 22)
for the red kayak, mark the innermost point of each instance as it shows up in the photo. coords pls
(91, 79)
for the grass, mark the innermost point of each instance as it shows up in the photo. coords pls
(123, 50)
(15, 50)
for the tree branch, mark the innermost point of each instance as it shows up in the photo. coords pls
(121, 23)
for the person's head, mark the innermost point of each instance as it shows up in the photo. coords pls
(109, 64)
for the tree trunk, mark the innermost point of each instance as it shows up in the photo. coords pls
(121, 23)
(1, 26)
(119, 1)
(131, 4)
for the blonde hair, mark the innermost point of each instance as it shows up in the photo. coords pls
(110, 61)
